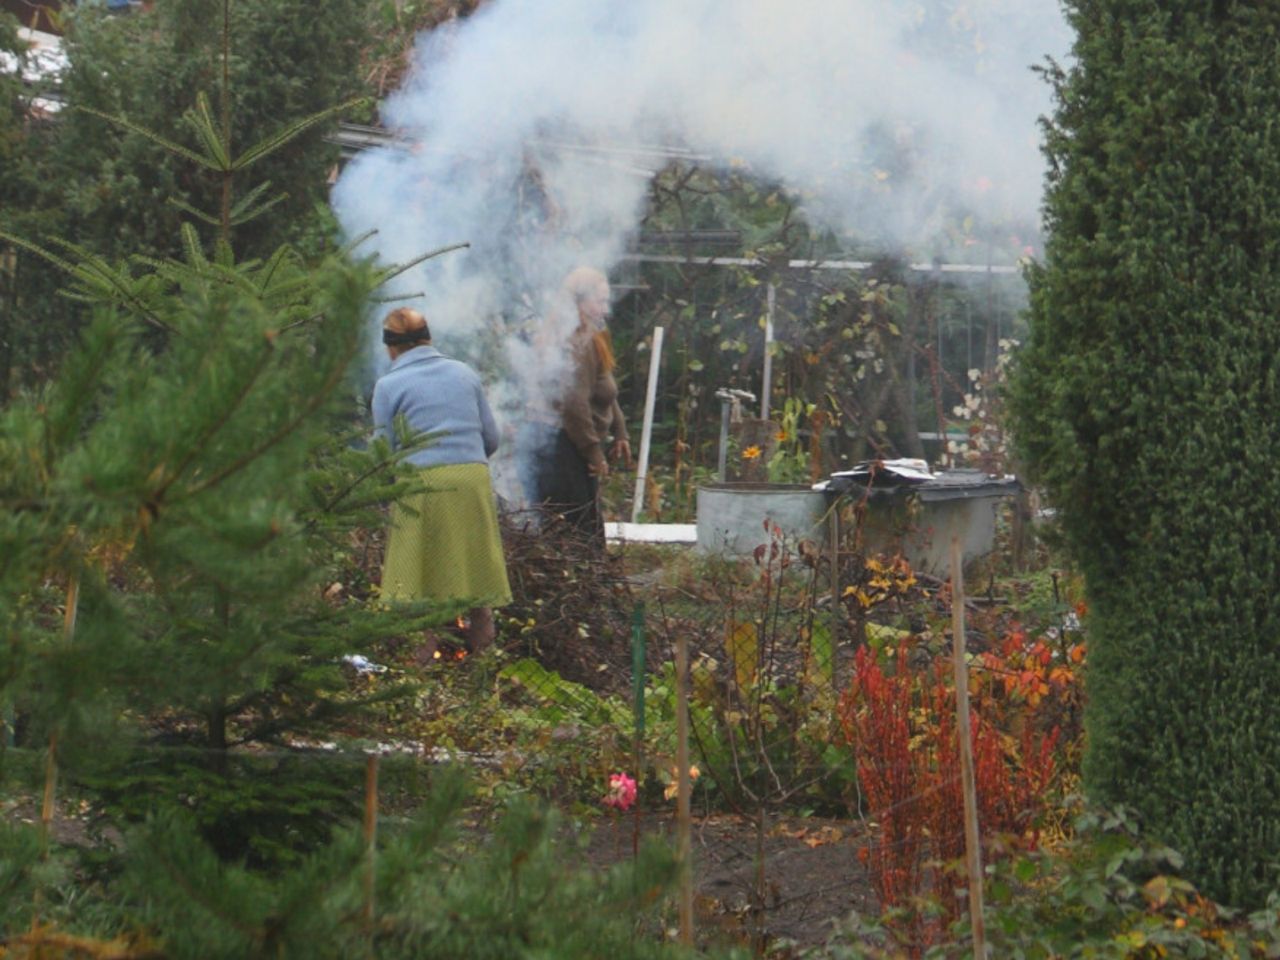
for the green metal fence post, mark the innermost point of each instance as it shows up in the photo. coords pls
(637, 682)
(638, 673)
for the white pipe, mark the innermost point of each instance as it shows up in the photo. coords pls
(642, 470)
(817, 264)
(766, 385)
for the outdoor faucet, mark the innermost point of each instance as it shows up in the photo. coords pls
(731, 401)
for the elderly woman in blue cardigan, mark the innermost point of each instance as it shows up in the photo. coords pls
(444, 543)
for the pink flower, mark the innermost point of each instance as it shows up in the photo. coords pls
(622, 792)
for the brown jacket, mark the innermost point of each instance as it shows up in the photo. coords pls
(589, 408)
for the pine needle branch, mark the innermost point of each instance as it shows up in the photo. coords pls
(274, 143)
(394, 271)
(302, 322)
(194, 212)
(249, 208)
(356, 482)
(237, 220)
(196, 892)
(201, 120)
(347, 250)
(314, 402)
(195, 252)
(272, 265)
(223, 419)
(208, 163)
(93, 272)
(389, 298)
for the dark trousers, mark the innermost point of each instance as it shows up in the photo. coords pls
(562, 484)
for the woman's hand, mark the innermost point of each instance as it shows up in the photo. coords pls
(621, 451)
(599, 469)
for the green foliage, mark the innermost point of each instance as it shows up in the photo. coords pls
(1145, 400)
(790, 463)
(434, 892)
(1107, 894)
(22, 140)
(12, 108)
(263, 810)
(188, 479)
(119, 188)
(762, 700)
(20, 858)
(289, 63)
(562, 699)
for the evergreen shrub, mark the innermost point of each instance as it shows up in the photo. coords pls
(1145, 402)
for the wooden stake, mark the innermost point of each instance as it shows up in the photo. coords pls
(50, 791)
(51, 761)
(73, 608)
(972, 838)
(684, 830)
(829, 669)
(370, 832)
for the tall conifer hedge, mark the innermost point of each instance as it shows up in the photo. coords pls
(1148, 404)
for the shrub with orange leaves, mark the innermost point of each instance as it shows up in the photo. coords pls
(901, 725)
(875, 716)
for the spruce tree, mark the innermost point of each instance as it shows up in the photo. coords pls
(184, 482)
(1146, 400)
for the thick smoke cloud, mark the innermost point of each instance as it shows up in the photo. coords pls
(532, 128)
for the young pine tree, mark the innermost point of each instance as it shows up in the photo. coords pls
(1146, 403)
(184, 482)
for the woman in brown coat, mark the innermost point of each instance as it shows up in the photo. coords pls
(570, 466)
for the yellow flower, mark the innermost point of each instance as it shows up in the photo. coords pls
(781, 436)
(673, 787)
(751, 453)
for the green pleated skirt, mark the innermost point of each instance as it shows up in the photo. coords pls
(444, 543)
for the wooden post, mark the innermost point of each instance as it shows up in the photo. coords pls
(834, 521)
(50, 792)
(684, 830)
(972, 838)
(51, 760)
(370, 833)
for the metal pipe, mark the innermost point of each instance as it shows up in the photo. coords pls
(722, 466)
(771, 299)
(731, 401)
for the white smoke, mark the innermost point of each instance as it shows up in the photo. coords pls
(880, 114)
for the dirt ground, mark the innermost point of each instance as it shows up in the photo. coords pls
(812, 876)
